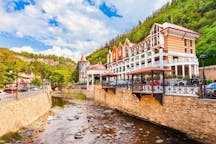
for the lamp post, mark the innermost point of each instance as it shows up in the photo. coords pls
(202, 57)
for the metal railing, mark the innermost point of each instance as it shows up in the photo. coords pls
(169, 90)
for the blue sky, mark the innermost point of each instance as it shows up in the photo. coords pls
(68, 28)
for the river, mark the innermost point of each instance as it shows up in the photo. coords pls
(84, 122)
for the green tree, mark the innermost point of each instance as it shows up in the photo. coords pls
(37, 81)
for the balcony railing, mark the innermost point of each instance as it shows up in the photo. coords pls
(168, 90)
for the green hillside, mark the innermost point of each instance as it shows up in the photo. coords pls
(198, 15)
(64, 70)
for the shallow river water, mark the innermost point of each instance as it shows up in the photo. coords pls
(84, 122)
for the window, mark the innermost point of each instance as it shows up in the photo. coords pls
(191, 51)
(185, 50)
(191, 43)
(185, 42)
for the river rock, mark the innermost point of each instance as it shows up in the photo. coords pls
(78, 136)
(76, 117)
(159, 141)
(106, 126)
(70, 118)
(107, 112)
(148, 132)
(50, 118)
(90, 116)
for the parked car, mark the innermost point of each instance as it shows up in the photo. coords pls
(193, 81)
(10, 90)
(33, 88)
(211, 90)
(24, 89)
(2, 92)
(179, 83)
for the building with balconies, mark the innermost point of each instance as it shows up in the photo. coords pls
(167, 46)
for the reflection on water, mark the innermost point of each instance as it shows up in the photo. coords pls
(87, 123)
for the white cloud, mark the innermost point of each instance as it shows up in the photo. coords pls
(82, 28)
(58, 51)
(23, 49)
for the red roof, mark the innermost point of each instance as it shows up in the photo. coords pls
(97, 67)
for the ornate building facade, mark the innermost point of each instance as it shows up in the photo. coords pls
(83, 64)
(90, 74)
(167, 46)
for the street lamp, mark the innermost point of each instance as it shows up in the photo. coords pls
(202, 57)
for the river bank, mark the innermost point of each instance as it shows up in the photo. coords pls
(84, 122)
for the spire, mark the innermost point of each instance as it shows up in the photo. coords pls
(83, 58)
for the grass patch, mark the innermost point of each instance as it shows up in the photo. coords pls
(59, 103)
(11, 136)
(76, 95)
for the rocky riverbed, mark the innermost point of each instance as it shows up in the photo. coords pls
(84, 122)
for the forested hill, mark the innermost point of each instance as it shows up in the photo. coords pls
(55, 69)
(197, 15)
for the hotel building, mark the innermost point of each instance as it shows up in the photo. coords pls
(167, 46)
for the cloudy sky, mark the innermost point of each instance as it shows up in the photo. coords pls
(68, 28)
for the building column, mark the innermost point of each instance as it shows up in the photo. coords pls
(92, 81)
(87, 82)
(195, 70)
(161, 57)
(152, 59)
(100, 79)
(176, 70)
(170, 68)
(183, 71)
(140, 61)
(190, 74)
(146, 63)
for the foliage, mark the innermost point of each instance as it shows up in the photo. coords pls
(76, 95)
(59, 103)
(59, 73)
(198, 15)
(37, 81)
(208, 81)
(11, 136)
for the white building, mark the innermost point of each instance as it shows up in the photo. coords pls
(167, 46)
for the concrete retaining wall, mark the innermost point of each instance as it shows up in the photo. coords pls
(20, 113)
(191, 115)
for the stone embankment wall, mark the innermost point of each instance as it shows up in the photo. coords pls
(191, 115)
(210, 72)
(20, 113)
(88, 93)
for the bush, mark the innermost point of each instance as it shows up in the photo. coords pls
(11, 136)
(208, 81)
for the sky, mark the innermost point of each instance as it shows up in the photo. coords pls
(68, 28)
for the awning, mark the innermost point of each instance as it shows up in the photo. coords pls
(149, 70)
(110, 74)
